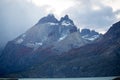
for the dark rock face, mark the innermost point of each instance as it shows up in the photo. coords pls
(97, 59)
(118, 78)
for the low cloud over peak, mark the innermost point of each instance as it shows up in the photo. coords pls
(17, 16)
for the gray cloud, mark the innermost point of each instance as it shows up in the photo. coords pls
(85, 16)
(16, 16)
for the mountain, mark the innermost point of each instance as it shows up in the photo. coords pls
(101, 58)
(90, 34)
(1, 51)
(47, 31)
(49, 37)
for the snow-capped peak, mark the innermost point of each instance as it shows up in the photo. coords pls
(66, 21)
(48, 18)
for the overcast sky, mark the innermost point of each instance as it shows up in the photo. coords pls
(16, 16)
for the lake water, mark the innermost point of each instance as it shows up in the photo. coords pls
(94, 78)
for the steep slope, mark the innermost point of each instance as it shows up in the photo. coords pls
(74, 40)
(1, 51)
(97, 59)
(47, 31)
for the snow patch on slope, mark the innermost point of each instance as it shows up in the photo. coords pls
(19, 41)
(35, 45)
(65, 23)
(50, 23)
(92, 38)
(63, 37)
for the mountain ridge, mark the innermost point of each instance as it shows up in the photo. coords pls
(49, 37)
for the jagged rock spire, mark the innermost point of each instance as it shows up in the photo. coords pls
(48, 18)
(66, 19)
